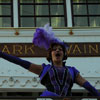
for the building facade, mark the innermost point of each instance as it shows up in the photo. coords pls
(76, 22)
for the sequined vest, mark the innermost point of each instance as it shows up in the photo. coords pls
(64, 88)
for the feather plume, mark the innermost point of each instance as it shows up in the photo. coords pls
(44, 36)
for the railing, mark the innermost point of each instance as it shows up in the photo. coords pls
(48, 98)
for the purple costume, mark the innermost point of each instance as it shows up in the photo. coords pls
(58, 81)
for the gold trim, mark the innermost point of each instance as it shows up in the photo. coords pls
(53, 27)
(56, 35)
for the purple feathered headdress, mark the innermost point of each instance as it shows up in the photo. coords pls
(44, 36)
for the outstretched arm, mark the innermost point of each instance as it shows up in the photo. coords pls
(25, 64)
(84, 83)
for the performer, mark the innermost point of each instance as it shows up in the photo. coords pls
(57, 77)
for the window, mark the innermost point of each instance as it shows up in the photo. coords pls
(36, 13)
(86, 13)
(6, 16)
(59, 13)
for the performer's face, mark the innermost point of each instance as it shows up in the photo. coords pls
(57, 53)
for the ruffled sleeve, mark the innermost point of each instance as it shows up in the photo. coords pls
(74, 72)
(44, 70)
(43, 65)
